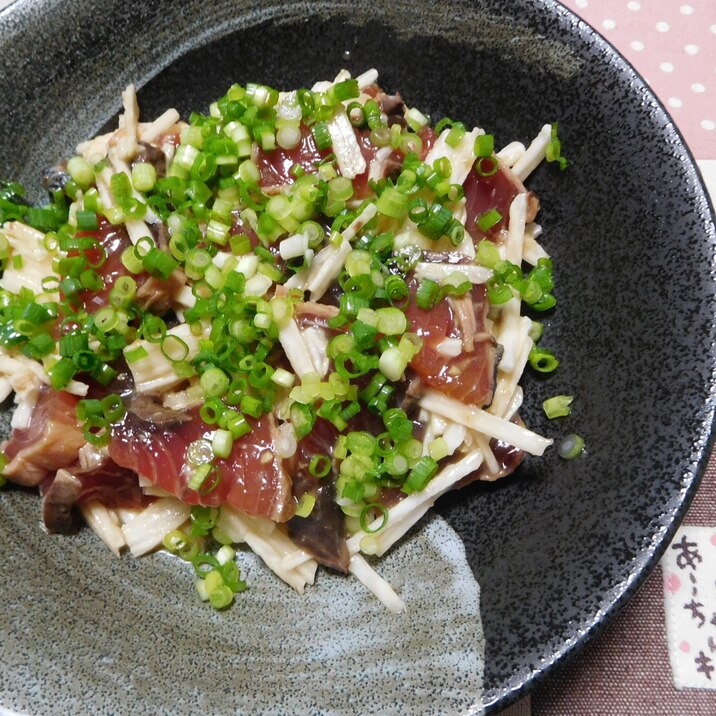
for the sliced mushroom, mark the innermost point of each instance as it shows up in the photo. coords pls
(58, 502)
(148, 410)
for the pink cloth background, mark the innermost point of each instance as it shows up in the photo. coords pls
(673, 46)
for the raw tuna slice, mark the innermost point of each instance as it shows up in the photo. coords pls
(50, 442)
(468, 376)
(252, 477)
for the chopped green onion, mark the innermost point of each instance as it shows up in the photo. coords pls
(72, 343)
(321, 135)
(455, 135)
(173, 348)
(211, 411)
(391, 321)
(558, 407)
(302, 419)
(438, 449)
(175, 541)
(367, 517)
(61, 373)
(203, 520)
(251, 405)
(41, 218)
(542, 360)
(230, 571)
(484, 145)
(428, 294)
(498, 293)
(536, 330)
(571, 447)
(123, 291)
(319, 466)
(347, 89)
(554, 149)
(486, 166)
(221, 597)
(356, 114)
(96, 430)
(159, 264)
(488, 254)
(488, 219)
(197, 261)
(222, 443)
(421, 474)
(204, 563)
(132, 356)
(436, 222)
(87, 221)
(81, 171)
(88, 407)
(396, 464)
(144, 176)
(120, 187)
(373, 115)
(214, 382)
(238, 426)
(113, 408)
(205, 479)
(39, 346)
(305, 505)
(392, 203)
(131, 261)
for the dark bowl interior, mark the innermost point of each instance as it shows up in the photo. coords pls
(559, 546)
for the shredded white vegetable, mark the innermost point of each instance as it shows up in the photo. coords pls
(533, 251)
(360, 569)
(149, 132)
(440, 271)
(461, 157)
(146, 531)
(516, 232)
(345, 146)
(154, 372)
(507, 382)
(104, 522)
(269, 543)
(535, 153)
(35, 262)
(484, 422)
(511, 153)
(410, 509)
(127, 146)
(295, 349)
(508, 334)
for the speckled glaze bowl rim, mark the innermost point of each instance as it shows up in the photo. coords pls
(656, 548)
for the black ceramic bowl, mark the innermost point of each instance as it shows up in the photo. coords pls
(558, 547)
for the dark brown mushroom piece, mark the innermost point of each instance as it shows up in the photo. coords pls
(323, 532)
(156, 295)
(148, 410)
(58, 501)
(56, 177)
(392, 106)
(148, 154)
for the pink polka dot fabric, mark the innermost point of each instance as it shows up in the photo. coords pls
(672, 44)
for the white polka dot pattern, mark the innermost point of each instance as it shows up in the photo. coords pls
(673, 45)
